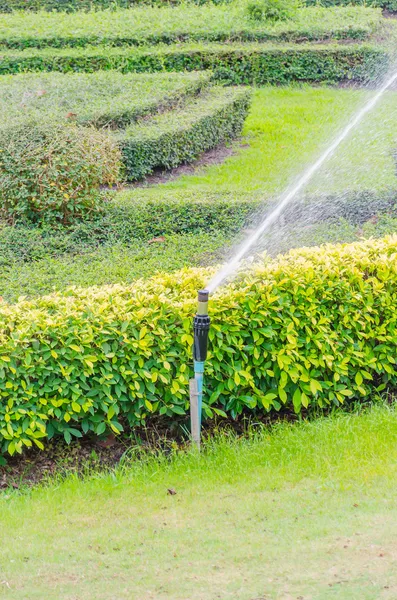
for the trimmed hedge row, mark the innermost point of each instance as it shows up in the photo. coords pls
(387, 4)
(236, 63)
(312, 329)
(7, 6)
(170, 139)
(142, 214)
(103, 99)
(186, 23)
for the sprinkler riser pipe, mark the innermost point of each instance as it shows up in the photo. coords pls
(201, 327)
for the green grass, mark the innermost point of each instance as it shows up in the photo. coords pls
(42, 265)
(103, 98)
(304, 511)
(286, 130)
(182, 23)
(111, 264)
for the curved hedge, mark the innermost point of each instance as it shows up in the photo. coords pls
(313, 328)
(173, 138)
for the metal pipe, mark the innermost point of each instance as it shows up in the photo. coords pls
(201, 326)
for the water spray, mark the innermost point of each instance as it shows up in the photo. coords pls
(201, 327)
(201, 323)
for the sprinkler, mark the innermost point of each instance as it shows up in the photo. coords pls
(201, 327)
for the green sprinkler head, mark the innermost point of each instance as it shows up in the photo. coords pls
(201, 327)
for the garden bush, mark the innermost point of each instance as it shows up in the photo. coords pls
(153, 25)
(52, 172)
(231, 63)
(272, 10)
(315, 328)
(171, 139)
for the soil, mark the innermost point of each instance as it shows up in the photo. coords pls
(216, 156)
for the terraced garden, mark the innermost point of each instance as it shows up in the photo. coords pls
(139, 146)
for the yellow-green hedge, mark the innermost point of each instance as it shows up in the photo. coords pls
(313, 328)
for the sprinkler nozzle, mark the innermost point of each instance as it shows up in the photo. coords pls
(201, 326)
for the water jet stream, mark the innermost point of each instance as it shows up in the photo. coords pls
(231, 266)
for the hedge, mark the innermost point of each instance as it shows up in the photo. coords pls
(238, 63)
(54, 173)
(153, 25)
(314, 328)
(141, 214)
(104, 99)
(8, 6)
(387, 4)
(170, 139)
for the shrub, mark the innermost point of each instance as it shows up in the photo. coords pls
(312, 329)
(272, 10)
(54, 173)
(181, 136)
(231, 63)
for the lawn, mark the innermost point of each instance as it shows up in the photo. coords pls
(300, 511)
(288, 127)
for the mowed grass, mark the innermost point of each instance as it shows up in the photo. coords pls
(286, 130)
(303, 511)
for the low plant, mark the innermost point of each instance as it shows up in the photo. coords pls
(272, 10)
(50, 172)
(315, 328)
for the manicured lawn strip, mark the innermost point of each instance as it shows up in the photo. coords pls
(151, 25)
(286, 129)
(170, 139)
(32, 265)
(108, 264)
(102, 99)
(282, 512)
(249, 63)
(367, 159)
(132, 219)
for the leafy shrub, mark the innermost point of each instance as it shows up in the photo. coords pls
(181, 136)
(312, 329)
(54, 173)
(231, 63)
(272, 10)
(153, 25)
